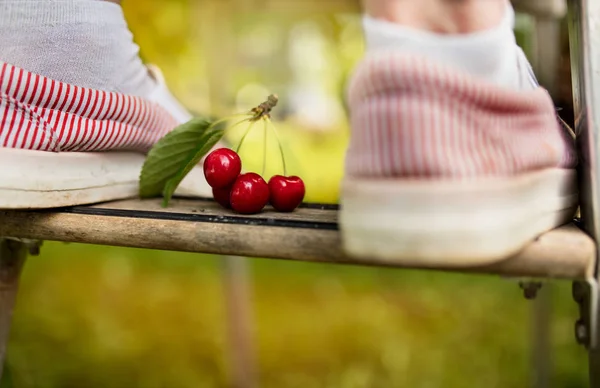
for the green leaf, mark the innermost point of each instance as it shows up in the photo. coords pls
(171, 155)
(208, 140)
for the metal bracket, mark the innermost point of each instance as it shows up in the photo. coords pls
(33, 246)
(585, 293)
(530, 288)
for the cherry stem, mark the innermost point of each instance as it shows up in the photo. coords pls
(279, 144)
(264, 148)
(238, 123)
(214, 124)
(237, 150)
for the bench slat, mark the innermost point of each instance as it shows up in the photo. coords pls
(309, 234)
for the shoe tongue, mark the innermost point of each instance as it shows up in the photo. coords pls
(163, 97)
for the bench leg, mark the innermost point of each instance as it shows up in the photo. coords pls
(541, 355)
(12, 257)
(237, 289)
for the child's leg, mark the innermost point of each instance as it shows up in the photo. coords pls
(440, 16)
(473, 35)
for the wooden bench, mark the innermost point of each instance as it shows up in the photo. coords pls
(311, 233)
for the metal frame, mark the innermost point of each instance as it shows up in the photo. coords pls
(584, 39)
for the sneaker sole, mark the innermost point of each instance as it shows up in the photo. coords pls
(37, 179)
(432, 223)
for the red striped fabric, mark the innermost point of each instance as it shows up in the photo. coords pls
(38, 113)
(414, 118)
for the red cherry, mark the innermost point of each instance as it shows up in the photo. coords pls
(222, 167)
(249, 193)
(286, 192)
(222, 196)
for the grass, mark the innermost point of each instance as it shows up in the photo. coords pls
(91, 316)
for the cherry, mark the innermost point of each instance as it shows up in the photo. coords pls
(222, 167)
(222, 196)
(249, 193)
(286, 192)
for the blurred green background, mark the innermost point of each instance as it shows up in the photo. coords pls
(97, 317)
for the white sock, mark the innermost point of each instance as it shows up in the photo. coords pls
(492, 54)
(82, 42)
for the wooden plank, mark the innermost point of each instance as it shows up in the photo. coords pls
(309, 234)
(326, 214)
